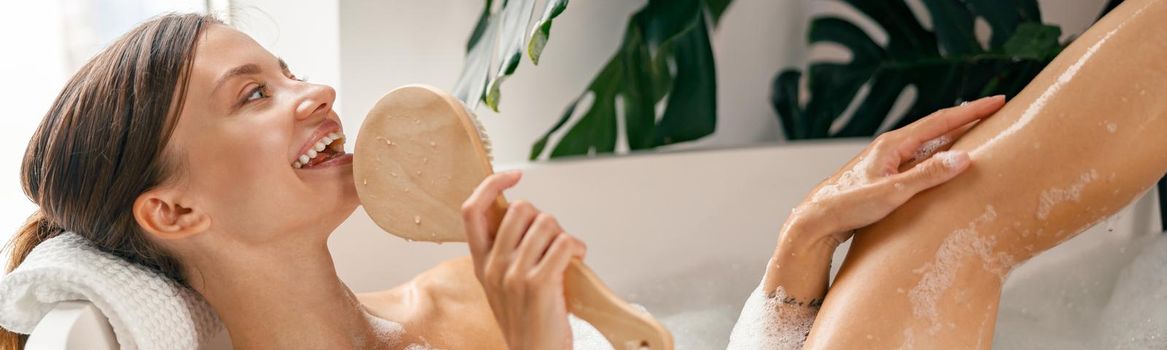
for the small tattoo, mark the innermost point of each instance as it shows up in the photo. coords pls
(816, 302)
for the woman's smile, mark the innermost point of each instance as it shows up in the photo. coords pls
(325, 147)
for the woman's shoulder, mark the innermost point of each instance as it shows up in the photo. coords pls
(447, 296)
(451, 280)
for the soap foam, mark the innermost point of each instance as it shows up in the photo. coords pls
(387, 332)
(1136, 316)
(766, 322)
(938, 275)
(949, 158)
(928, 148)
(586, 337)
(852, 178)
(1054, 196)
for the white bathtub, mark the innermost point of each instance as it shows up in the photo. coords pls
(687, 235)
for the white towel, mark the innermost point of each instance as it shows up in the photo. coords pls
(146, 309)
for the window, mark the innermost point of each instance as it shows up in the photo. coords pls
(44, 43)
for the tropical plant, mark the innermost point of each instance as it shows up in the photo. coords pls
(946, 65)
(497, 42)
(665, 57)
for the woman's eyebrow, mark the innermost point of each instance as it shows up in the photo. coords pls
(245, 69)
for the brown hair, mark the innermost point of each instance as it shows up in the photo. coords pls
(102, 143)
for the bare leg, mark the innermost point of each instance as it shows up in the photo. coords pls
(1080, 142)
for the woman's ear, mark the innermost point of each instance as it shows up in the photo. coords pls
(162, 213)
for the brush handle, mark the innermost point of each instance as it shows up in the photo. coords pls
(624, 326)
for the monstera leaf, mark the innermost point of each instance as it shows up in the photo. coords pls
(665, 57)
(496, 45)
(946, 65)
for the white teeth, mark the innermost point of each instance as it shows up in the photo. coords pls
(317, 148)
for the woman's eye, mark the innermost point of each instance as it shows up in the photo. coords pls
(256, 94)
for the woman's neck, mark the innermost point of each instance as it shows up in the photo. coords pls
(282, 297)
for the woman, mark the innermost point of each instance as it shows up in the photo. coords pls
(189, 149)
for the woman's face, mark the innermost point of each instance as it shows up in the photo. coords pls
(242, 137)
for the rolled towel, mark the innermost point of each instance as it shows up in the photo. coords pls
(146, 309)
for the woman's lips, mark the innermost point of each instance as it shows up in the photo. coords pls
(326, 128)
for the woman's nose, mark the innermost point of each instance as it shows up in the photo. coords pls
(315, 101)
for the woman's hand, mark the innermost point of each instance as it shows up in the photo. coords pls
(892, 169)
(521, 265)
(896, 166)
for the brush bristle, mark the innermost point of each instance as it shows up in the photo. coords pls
(481, 134)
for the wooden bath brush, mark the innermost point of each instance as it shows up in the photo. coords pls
(419, 154)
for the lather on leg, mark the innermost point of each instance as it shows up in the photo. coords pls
(1076, 145)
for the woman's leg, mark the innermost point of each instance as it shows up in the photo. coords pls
(1080, 142)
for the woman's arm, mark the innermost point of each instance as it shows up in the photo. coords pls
(867, 189)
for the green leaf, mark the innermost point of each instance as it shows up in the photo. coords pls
(515, 19)
(638, 77)
(480, 27)
(504, 33)
(1034, 41)
(586, 135)
(691, 110)
(542, 30)
(906, 37)
(716, 9)
(472, 82)
(537, 148)
(785, 97)
(953, 23)
(945, 66)
(1002, 21)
